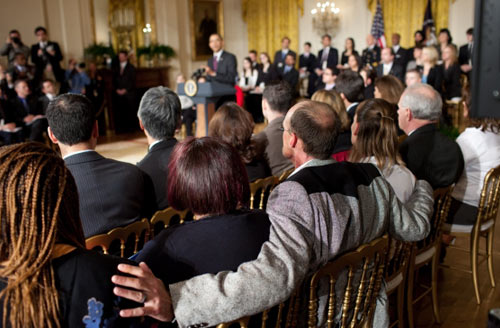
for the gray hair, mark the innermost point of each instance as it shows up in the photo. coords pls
(424, 102)
(160, 112)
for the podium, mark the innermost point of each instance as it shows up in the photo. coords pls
(205, 97)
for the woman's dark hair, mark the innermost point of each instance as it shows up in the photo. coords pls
(251, 66)
(206, 176)
(234, 125)
(447, 32)
(353, 43)
(358, 60)
(483, 123)
(390, 87)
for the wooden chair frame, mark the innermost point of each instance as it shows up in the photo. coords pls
(165, 216)
(266, 184)
(285, 175)
(121, 233)
(483, 227)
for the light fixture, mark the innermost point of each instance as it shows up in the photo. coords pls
(325, 17)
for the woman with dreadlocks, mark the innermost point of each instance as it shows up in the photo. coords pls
(47, 278)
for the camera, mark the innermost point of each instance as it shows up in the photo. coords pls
(16, 40)
(198, 73)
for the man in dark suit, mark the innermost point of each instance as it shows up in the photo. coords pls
(111, 193)
(465, 53)
(307, 65)
(428, 153)
(280, 55)
(401, 55)
(159, 117)
(371, 55)
(328, 56)
(124, 100)
(46, 53)
(49, 93)
(221, 67)
(388, 65)
(289, 74)
(350, 85)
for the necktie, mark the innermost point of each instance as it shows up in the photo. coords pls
(25, 104)
(324, 56)
(215, 63)
(287, 69)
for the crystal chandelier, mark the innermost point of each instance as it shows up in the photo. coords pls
(325, 17)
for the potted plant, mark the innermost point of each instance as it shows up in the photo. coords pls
(98, 52)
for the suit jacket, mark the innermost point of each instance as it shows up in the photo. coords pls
(226, 69)
(292, 77)
(401, 58)
(18, 112)
(435, 78)
(279, 60)
(432, 156)
(41, 61)
(396, 71)
(332, 60)
(344, 59)
(352, 111)
(125, 80)
(320, 212)
(371, 56)
(464, 56)
(155, 164)
(308, 62)
(272, 136)
(112, 193)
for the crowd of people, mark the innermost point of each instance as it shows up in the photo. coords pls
(366, 154)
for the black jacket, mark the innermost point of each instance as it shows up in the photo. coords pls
(308, 62)
(226, 69)
(396, 71)
(279, 60)
(435, 78)
(41, 62)
(451, 82)
(332, 60)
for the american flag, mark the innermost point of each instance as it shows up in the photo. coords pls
(378, 26)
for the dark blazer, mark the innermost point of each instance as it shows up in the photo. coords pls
(332, 60)
(292, 77)
(279, 60)
(155, 164)
(226, 69)
(451, 82)
(396, 71)
(401, 58)
(258, 169)
(464, 55)
(125, 80)
(17, 111)
(41, 61)
(267, 77)
(308, 62)
(209, 245)
(435, 78)
(352, 111)
(432, 156)
(43, 103)
(371, 57)
(345, 58)
(111, 193)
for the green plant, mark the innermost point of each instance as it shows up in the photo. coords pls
(156, 50)
(98, 50)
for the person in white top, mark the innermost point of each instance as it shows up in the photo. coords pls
(248, 78)
(375, 140)
(480, 146)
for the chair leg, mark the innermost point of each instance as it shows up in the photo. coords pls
(434, 283)
(489, 252)
(401, 301)
(473, 259)
(409, 295)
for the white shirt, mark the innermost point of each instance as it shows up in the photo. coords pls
(78, 152)
(387, 68)
(481, 151)
(249, 81)
(399, 177)
(153, 143)
(218, 54)
(122, 65)
(50, 96)
(396, 48)
(329, 86)
(42, 44)
(313, 162)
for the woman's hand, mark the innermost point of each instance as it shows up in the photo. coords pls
(148, 290)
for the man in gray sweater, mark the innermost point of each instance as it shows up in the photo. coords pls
(324, 209)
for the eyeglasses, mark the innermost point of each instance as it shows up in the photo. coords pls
(282, 129)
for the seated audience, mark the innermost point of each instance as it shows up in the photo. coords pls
(343, 142)
(276, 101)
(451, 74)
(51, 273)
(248, 78)
(159, 116)
(289, 74)
(20, 70)
(13, 46)
(429, 154)
(388, 67)
(224, 233)
(49, 93)
(280, 55)
(369, 75)
(371, 55)
(375, 140)
(390, 89)
(480, 146)
(350, 49)
(111, 193)
(267, 72)
(417, 62)
(432, 73)
(322, 210)
(351, 86)
(328, 79)
(412, 77)
(234, 125)
(354, 63)
(76, 77)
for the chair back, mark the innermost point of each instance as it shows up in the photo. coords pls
(396, 265)
(265, 186)
(165, 217)
(365, 268)
(490, 197)
(285, 175)
(120, 234)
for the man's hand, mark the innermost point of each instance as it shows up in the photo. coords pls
(208, 70)
(121, 92)
(28, 118)
(148, 290)
(318, 72)
(8, 127)
(466, 68)
(8, 40)
(40, 52)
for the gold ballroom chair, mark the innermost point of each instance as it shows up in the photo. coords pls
(265, 186)
(165, 216)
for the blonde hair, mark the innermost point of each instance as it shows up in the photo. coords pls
(332, 98)
(432, 54)
(454, 57)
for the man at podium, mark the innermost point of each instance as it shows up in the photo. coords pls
(222, 66)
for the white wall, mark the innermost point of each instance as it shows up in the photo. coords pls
(461, 18)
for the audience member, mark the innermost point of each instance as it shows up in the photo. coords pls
(419, 38)
(248, 78)
(111, 193)
(221, 67)
(432, 73)
(327, 57)
(188, 108)
(350, 85)
(390, 89)
(388, 66)
(267, 72)
(280, 55)
(124, 95)
(354, 63)
(159, 116)
(466, 52)
(428, 153)
(444, 39)
(49, 93)
(45, 266)
(371, 55)
(328, 79)
(276, 101)
(307, 65)
(350, 49)
(343, 143)
(76, 77)
(430, 37)
(46, 56)
(252, 54)
(412, 77)
(13, 45)
(451, 73)
(480, 146)
(375, 140)
(322, 210)
(417, 62)
(400, 53)
(20, 70)
(289, 74)
(369, 75)
(234, 125)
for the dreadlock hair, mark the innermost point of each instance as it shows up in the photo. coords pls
(38, 208)
(377, 133)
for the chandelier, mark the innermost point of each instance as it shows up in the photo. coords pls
(325, 17)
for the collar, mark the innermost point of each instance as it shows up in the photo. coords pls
(218, 54)
(389, 65)
(329, 86)
(50, 96)
(78, 152)
(351, 106)
(327, 49)
(285, 51)
(154, 143)
(306, 54)
(43, 44)
(313, 162)
(371, 47)
(424, 128)
(122, 65)
(396, 48)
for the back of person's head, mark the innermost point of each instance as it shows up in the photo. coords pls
(375, 133)
(207, 176)
(278, 97)
(390, 88)
(317, 125)
(71, 118)
(234, 125)
(351, 84)
(38, 208)
(160, 112)
(424, 102)
(332, 98)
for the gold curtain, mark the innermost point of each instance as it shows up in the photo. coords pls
(268, 21)
(407, 16)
